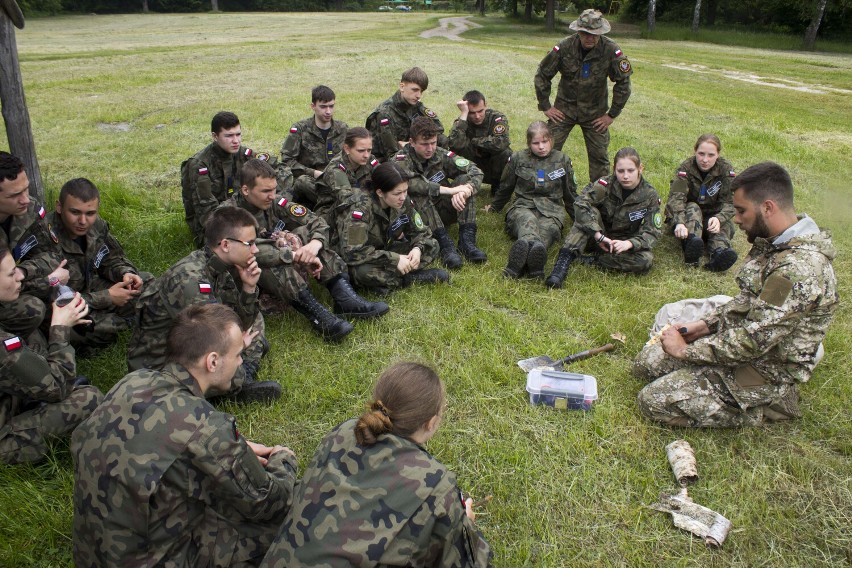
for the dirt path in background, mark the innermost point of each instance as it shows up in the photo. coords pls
(451, 28)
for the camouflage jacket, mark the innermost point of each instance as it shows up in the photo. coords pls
(339, 179)
(583, 93)
(712, 192)
(391, 122)
(546, 185)
(209, 178)
(305, 149)
(444, 168)
(390, 504)
(103, 257)
(788, 295)
(34, 247)
(30, 369)
(626, 216)
(478, 141)
(368, 233)
(283, 215)
(199, 277)
(156, 466)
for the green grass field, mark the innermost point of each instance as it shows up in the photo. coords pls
(570, 488)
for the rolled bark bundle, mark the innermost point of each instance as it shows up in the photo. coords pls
(697, 519)
(682, 459)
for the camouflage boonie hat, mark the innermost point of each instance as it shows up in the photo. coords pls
(590, 21)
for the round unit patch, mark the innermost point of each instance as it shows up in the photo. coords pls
(462, 162)
(418, 221)
(624, 66)
(297, 210)
(499, 129)
(658, 220)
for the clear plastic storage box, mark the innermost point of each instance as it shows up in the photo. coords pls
(561, 389)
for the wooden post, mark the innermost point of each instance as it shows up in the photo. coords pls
(15, 113)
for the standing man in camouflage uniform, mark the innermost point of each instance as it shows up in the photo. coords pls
(442, 186)
(481, 135)
(33, 246)
(97, 264)
(213, 175)
(585, 60)
(39, 395)
(740, 365)
(294, 244)
(224, 271)
(390, 123)
(311, 145)
(176, 483)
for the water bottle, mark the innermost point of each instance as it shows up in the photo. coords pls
(60, 293)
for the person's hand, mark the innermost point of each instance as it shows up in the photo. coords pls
(694, 330)
(307, 254)
(249, 274)
(468, 509)
(487, 208)
(459, 201)
(414, 258)
(60, 273)
(601, 123)
(604, 243)
(713, 225)
(402, 143)
(463, 108)
(134, 280)
(403, 265)
(122, 292)
(681, 231)
(72, 313)
(286, 239)
(317, 174)
(673, 342)
(617, 247)
(263, 452)
(554, 114)
(249, 335)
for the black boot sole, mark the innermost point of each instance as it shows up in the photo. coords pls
(536, 259)
(517, 259)
(693, 249)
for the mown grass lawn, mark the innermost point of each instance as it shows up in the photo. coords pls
(569, 488)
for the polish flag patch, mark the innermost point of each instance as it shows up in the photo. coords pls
(450, 154)
(555, 48)
(202, 171)
(357, 214)
(294, 130)
(732, 173)
(13, 343)
(205, 288)
(603, 182)
(618, 53)
(681, 174)
(498, 119)
(342, 167)
(282, 202)
(384, 122)
(41, 212)
(249, 152)
(374, 162)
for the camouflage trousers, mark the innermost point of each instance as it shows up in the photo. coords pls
(597, 144)
(241, 542)
(285, 280)
(438, 212)
(383, 274)
(696, 223)
(305, 191)
(492, 165)
(24, 438)
(529, 225)
(22, 316)
(631, 261)
(709, 396)
(107, 323)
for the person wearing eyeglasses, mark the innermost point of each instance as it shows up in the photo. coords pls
(225, 271)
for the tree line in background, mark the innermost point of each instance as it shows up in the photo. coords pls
(826, 18)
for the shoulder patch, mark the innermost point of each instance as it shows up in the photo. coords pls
(384, 121)
(205, 288)
(249, 152)
(357, 214)
(732, 173)
(776, 289)
(462, 162)
(618, 53)
(53, 236)
(624, 66)
(297, 210)
(282, 202)
(263, 157)
(430, 113)
(13, 343)
(681, 174)
(373, 163)
(450, 154)
(236, 430)
(555, 48)
(418, 221)
(203, 171)
(341, 167)
(498, 119)
(499, 129)
(293, 130)
(399, 157)
(41, 212)
(658, 220)
(603, 182)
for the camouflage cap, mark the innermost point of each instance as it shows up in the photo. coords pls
(590, 21)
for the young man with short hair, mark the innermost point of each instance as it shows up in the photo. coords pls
(224, 271)
(311, 145)
(481, 135)
(442, 187)
(99, 269)
(163, 478)
(391, 121)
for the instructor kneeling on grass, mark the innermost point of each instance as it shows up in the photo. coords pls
(740, 364)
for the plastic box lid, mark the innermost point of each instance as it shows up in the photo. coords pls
(545, 385)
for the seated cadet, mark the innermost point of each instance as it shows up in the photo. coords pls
(98, 266)
(374, 496)
(390, 123)
(621, 213)
(33, 246)
(161, 478)
(346, 172)
(481, 135)
(39, 395)
(383, 238)
(311, 145)
(224, 271)
(543, 182)
(212, 175)
(286, 259)
(700, 206)
(442, 186)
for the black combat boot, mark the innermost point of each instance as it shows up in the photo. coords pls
(536, 259)
(517, 259)
(331, 327)
(693, 249)
(449, 255)
(560, 268)
(721, 260)
(467, 244)
(426, 276)
(255, 391)
(348, 303)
